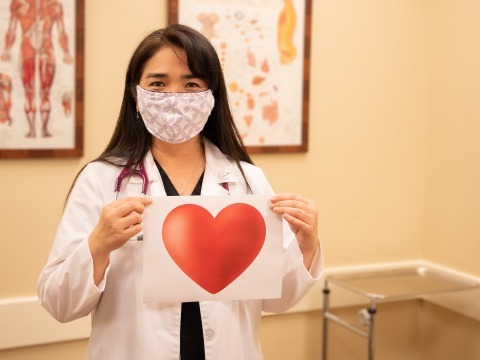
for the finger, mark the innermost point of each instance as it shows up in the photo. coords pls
(141, 199)
(294, 208)
(299, 214)
(289, 200)
(301, 229)
(280, 197)
(291, 204)
(132, 205)
(295, 223)
(303, 211)
(132, 231)
(128, 221)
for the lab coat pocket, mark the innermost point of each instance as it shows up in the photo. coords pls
(132, 189)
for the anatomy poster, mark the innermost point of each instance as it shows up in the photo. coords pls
(37, 74)
(211, 248)
(261, 45)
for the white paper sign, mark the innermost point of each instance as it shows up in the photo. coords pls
(211, 248)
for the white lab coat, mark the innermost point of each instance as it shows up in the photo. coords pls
(123, 327)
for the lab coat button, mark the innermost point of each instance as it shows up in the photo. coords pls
(209, 332)
(224, 174)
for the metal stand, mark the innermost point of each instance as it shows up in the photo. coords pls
(367, 318)
(387, 285)
(326, 293)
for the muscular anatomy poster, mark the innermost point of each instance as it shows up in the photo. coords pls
(37, 74)
(261, 45)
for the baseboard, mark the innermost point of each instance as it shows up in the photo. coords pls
(24, 322)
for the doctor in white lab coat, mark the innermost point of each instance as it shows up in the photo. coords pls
(95, 266)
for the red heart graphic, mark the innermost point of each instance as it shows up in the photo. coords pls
(213, 252)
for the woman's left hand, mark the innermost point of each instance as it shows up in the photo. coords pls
(302, 216)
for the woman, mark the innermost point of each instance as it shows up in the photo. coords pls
(175, 121)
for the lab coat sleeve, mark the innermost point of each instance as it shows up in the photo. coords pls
(297, 280)
(66, 288)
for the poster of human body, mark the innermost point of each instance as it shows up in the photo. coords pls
(37, 74)
(261, 45)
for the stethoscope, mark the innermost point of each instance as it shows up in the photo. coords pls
(141, 172)
(128, 171)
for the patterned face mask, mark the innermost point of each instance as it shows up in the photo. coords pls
(174, 117)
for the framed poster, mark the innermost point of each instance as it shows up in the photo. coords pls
(41, 78)
(264, 48)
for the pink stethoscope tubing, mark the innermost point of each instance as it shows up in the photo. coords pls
(127, 171)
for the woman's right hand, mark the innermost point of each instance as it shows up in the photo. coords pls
(119, 221)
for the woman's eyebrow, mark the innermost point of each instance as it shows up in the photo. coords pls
(190, 76)
(163, 75)
(156, 75)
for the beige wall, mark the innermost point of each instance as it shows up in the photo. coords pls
(453, 190)
(366, 164)
(393, 162)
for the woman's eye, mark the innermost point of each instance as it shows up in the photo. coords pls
(157, 84)
(193, 85)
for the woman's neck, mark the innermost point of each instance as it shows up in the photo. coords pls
(182, 152)
(184, 163)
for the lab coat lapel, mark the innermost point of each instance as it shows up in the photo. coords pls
(218, 170)
(155, 187)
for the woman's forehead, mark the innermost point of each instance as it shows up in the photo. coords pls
(167, 59)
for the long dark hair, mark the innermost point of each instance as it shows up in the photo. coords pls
(131, 140)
